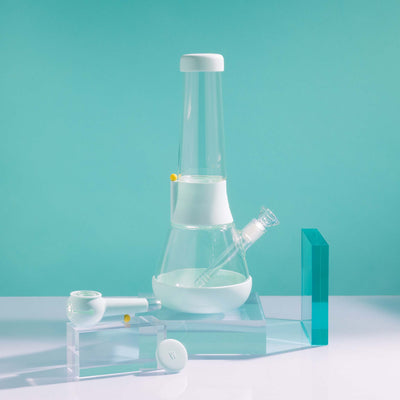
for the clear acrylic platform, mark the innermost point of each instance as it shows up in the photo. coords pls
(113, 347)
(255, 329)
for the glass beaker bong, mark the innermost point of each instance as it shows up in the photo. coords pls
(204, 268)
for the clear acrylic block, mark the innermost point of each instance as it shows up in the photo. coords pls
(239, 332)
(113, 347)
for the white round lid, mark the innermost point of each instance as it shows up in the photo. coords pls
(202, 62)
(171, 355)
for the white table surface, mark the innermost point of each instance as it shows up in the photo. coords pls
(362, 360)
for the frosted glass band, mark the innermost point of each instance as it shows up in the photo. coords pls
(200, 204)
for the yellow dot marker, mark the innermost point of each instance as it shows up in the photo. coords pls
(173, 177)
(127, 318)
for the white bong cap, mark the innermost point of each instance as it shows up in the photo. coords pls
(202, 62)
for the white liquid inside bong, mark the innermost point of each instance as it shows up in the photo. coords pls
(185, 277)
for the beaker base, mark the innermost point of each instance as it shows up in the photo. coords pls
(205, 300)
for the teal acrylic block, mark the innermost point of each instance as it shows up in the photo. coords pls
(314, 286)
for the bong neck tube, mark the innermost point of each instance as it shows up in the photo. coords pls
(201, 150)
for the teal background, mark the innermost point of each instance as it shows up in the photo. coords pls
(90, 108)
